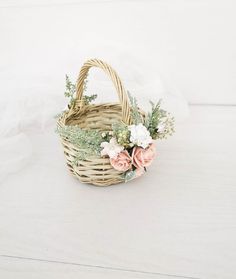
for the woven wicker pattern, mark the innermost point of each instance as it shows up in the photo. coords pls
(95, 170)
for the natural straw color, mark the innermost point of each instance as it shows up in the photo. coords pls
(95, 170)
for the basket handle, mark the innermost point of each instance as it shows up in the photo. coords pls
(115, 79)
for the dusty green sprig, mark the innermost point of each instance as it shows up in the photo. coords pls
(166, 127)
(88, 99)
(135, 114)
(88, 141)
(71, 92)
(159, 122)
(153, 118)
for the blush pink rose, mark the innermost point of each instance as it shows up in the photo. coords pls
(143, 157)
(122, 162)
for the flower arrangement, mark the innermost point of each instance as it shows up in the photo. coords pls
(130, 148)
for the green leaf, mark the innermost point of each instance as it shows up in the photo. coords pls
(129, 175)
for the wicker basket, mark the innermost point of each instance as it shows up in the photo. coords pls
(95, 170)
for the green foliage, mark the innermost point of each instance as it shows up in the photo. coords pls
(168, 123)
(129, 175)
(155, 119)
(121, 133)
(158, 122)
(89, 99)
(71, 92)
(88, 141)
(159, 118)
(135, 114)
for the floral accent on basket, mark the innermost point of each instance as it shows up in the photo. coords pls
(135, 158)
(143, 157)
(111, 148)
(139, 135)
(122, 162)
(123, 149)
(131, 148)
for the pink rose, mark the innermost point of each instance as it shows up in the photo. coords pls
(122, 162)
(143, 157)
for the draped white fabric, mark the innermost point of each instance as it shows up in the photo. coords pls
(35, 56)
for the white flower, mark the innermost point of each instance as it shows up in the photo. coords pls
(140, 136)
(112, 148)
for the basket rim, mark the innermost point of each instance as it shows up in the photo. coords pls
(67, 114)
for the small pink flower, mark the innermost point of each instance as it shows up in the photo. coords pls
(139, 172)
(122, 162)
(143, 157)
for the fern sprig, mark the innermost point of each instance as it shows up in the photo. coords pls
(135, 114)
(71, 92)
(88, 141)
(157, 119)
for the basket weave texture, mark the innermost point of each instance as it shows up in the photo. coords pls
(95, 170)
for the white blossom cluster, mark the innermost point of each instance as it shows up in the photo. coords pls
(139, 135)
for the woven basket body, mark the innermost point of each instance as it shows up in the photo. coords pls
(95, 170)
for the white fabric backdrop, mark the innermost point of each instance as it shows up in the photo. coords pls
(151, 44)
(33, 106)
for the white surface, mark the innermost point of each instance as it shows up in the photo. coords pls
(178, 219)
(192, 44)
(12, 267)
